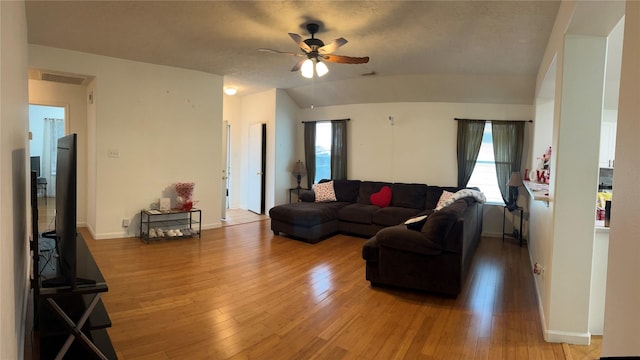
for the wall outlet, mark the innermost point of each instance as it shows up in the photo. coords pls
(113, 153)
(125, 222)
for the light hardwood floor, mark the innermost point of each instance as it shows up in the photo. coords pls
(242, 293)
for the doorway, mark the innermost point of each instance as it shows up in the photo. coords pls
(257, 167)
(226, 161)
(47, 123)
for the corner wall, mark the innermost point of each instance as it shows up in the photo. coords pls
(14, 179)
(562, 234)
(622, 318)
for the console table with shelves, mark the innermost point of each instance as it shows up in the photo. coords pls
(170, 224)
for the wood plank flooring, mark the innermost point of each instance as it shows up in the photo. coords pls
(242, 293)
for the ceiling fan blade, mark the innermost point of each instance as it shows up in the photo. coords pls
(345, 59)
(332, 46)
(280, 52)
(298, 65)
(300, 41)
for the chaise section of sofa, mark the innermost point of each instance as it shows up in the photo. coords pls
(312, 221)
(308, 221)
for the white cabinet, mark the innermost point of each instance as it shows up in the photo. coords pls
(607, 144)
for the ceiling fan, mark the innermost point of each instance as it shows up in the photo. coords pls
(315, 52)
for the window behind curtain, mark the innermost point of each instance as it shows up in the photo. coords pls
(323, 151)
(484, 173)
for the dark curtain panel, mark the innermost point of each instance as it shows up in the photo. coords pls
(310, 151)
(339, 149)
(469, 141)
(508, 137)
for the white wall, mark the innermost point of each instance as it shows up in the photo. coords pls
(232, 112)
(14, 181)
(541, 213)
(258, 108)
(622, 318)
(73, 97)
(420, 147)
(165, 124)
(285, 146)
(576, 181)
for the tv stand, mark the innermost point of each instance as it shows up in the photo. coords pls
(72, 321)
(61, 282)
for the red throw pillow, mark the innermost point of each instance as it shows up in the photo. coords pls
(382, 198)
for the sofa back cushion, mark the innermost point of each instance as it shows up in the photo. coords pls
(440, 222)
(346, 190)
(409, 195)
(434, 193)
(369, 187)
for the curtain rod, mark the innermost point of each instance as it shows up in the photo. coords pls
(491, 120)
(312, 121)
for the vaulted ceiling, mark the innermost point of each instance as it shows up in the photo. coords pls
(475, 51)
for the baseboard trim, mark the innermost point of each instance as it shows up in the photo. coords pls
(572, 338)
(115, 235)
(491, 234)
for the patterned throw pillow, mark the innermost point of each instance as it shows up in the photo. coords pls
(443, 199)
(324, 191)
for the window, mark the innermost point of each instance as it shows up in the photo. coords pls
(323, 151)
(484, 173)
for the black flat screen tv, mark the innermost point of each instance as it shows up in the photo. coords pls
(65, 228)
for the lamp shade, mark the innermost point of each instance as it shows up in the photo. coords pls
(515, 180)
(299, 169)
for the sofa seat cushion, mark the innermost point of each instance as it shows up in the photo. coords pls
(307, 214)
(400, 238)
(357, 213)
(392, 215)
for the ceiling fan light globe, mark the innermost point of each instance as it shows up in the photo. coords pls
(307, 69)
(321, 69)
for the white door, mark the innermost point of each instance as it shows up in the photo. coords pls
(225, 169)
(255, 201)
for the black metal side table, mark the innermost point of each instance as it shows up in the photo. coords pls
(516, 233)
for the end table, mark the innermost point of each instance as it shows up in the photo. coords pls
(516, 233)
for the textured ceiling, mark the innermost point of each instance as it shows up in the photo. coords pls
(411, 42)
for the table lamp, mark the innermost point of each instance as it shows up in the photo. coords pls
(514, 182)
(299, 170)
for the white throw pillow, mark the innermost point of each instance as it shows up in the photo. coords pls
(416, 223)
(324, 191)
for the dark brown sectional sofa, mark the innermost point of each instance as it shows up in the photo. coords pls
(435, 257)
